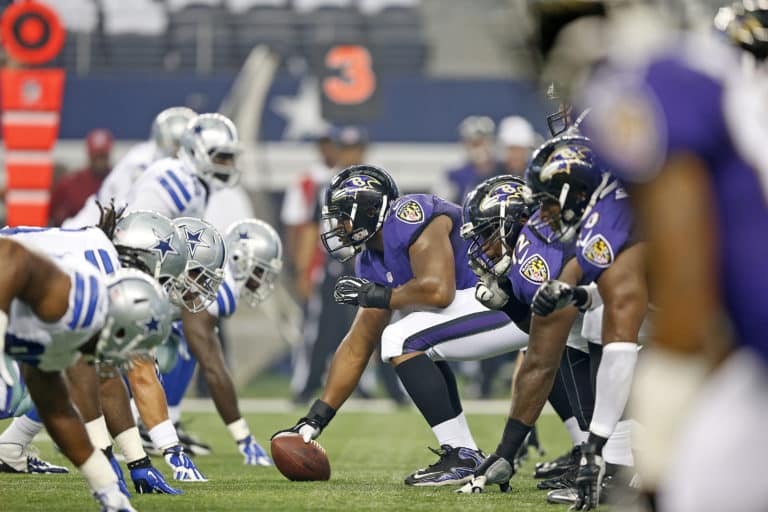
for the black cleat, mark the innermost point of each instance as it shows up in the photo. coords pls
(558, 466)
(564, 481)
(456, 466)
(192, 445)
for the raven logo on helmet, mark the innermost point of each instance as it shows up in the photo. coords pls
(356, 184)
(410, 212)
(502, 194)
(598, 251)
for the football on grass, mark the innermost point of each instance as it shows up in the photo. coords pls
(300, 461)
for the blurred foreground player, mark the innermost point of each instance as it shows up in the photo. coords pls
(693, 144)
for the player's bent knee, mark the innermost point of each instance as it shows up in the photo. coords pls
(392, 342)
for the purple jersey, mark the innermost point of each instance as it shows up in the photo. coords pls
(407, 218)
(534, 262)
(695, 100)
(606, 231)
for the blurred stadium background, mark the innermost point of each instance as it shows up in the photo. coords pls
(405, 73)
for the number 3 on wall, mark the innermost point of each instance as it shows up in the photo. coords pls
(357, 82)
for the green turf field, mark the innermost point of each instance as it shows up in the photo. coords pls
(370, 455)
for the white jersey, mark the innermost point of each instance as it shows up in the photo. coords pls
(54, 346)
(117, 185)
(170, 188)
(227, 296)
(88, 257)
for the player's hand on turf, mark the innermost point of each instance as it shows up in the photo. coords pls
(112, 499)
(308, 429)
(589, 479)
(357, 291)
(253, 453)
(551, 296)
(149, 480)
(490, 293)
(493, 470)
(183, 467)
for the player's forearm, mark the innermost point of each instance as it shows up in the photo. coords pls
(347, 366)
(148, 394)
(222, 391)
(429, 291)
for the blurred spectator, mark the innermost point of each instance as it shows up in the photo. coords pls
(477, 135)
(325, 322)
(70, 192)
(517, 138)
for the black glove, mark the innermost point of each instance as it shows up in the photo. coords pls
(554, 295)
(310, 426)
(357, 291)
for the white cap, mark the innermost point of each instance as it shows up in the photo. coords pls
(516, 131)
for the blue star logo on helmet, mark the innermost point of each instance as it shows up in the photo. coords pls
(504, 193)
(164, 247)
(243, 235)
(194, 240)
(153, 325)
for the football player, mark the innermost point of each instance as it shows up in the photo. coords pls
(82, 378)
(52, 311)
(696, 161)
(254, 263)
(415, 296)
(164, 142)
(512, 262)
(581, 202)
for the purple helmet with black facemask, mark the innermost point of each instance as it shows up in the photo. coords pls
(566, 180)
(495, 211)
(354, 208)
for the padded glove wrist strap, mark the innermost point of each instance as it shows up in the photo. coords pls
(321, 413)
(374, 295)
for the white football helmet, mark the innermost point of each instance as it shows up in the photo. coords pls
(209, 146)
(206, 255)
(139, 318)
(255, 258)
(168, 127)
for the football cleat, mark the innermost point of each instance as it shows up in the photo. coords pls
(493, 470)
(192, 445)
(567, 496)
(564, 481)
(589, 477)
(558, 466)
(17, 458)
(455, 467)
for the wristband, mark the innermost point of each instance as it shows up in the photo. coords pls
(321, 413)
(375, 296)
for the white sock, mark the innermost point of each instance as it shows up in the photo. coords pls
(618, 449)
(239, 429)
(98, 472)
(578, 436)
(614, 381)
(164, 435)
(21, 431)
(129, 442)
(98, 433)
(174, 413)
(455, 432)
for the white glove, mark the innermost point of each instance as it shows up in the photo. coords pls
(489, 293)
(112, 500)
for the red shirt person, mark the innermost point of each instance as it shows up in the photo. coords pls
(71, 190)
